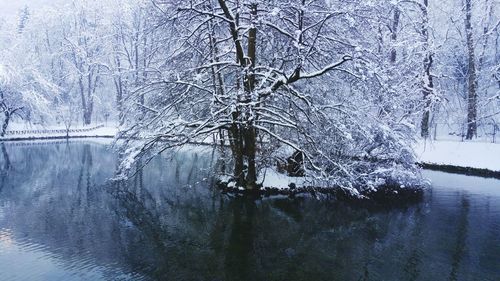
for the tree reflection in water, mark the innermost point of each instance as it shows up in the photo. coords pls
(5, 167)
(167, 222)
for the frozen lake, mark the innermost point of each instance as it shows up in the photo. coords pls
(60, 219)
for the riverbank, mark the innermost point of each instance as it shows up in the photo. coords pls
(387, 195)
(454, 156)
(477, 158)
(52, 133)
(273, 183)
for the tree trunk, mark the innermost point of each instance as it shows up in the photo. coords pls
(236, 131)
(119, 102)
(472, 79)
(82, 96)
(250, 149)
(250, 131)
(394, 34)
(428, 84)
(87, 115)
(237, 150)
(87, 104)
(119, 91)
(427, 91)
(5, 123)
(384, 108)
(243, 132)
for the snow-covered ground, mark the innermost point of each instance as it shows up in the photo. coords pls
(476, 154)
(271, 178)
(106, 131)
(483, 155)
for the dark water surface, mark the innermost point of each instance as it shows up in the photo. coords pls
(60, 220)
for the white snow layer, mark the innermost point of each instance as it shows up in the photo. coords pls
(97, 132)
(271, 178)
(481, 155)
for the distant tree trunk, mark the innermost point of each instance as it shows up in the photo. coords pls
(427, 91)
(394, 33)
(83, 99)
(87, 115)
(87, 104)
(428, 84)
(497, 60)
(118, 86)
(472, 79)
(119, 91)
(384, 108)
(7, 116)
(485, 36)
(119, 100)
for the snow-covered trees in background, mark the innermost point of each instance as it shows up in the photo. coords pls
(84, 39)
(62, 53)
(135, 52)
(23, 95)
(25, 91)
(10, 99)
(340, 83)
(467, 32)
(91, 49)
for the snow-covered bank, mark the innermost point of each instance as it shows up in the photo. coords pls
(106, 141)
(479, 155)
(273, 183)
(57, 132)
(392, 195)
(271, 178)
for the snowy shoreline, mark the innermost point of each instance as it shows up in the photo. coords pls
(470, 154)
(472, 158)
(386, 194)
(60, 133)
(468, 171)
(54, 138)
(453, 156)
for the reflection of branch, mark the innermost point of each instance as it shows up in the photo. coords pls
(6, 167)
(459, 250)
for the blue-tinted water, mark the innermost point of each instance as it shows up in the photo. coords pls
(61, 220)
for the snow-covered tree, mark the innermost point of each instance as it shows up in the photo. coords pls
(135, 49)
(336, 89)
(273, 78)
